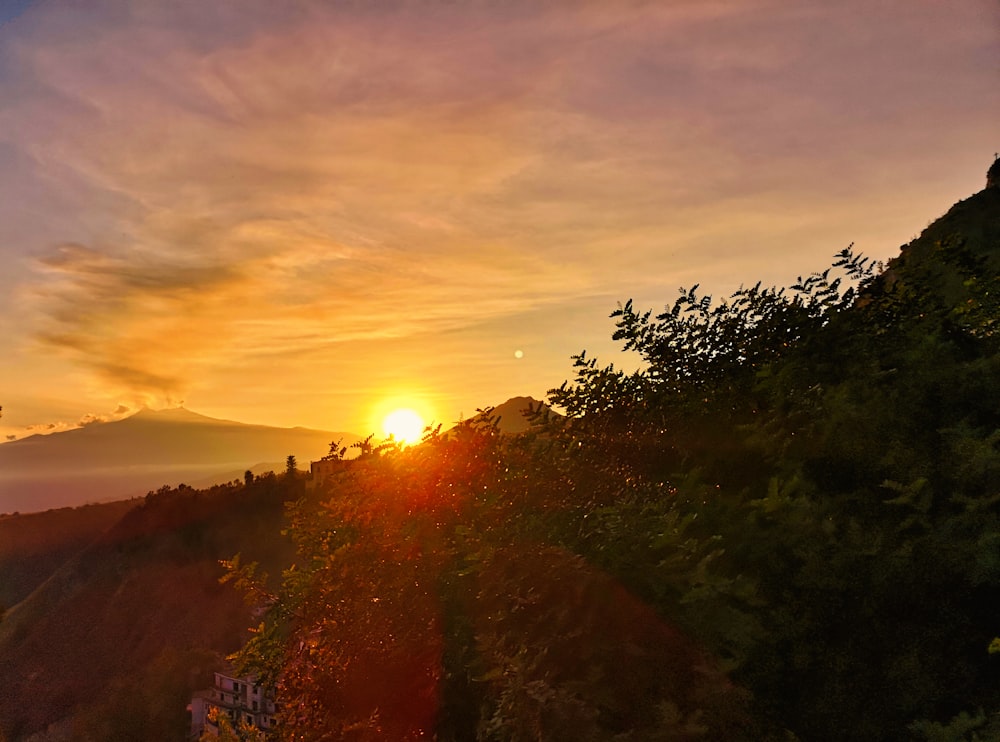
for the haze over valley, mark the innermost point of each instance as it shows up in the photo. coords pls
(128, 457)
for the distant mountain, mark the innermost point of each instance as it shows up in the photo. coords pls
(512, 416)
(105, 461)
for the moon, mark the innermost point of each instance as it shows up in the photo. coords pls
(403, 425)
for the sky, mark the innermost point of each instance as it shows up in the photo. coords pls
(309, 213)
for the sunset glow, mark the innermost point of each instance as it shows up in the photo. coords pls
(276, 211)
(403, 425)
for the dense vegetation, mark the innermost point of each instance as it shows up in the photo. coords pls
(784, 526)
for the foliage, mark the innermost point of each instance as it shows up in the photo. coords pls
(242, 732)
(963, 728)
(854, 475)
(391, 624)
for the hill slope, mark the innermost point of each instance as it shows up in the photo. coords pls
(144, 597)
(34, 546)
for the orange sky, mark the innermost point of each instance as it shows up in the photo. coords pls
(301, 213)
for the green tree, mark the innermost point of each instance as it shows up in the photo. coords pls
(423, 584)
(837, 443)
(228, 732)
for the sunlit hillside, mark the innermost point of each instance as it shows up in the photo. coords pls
(33, 546)
(119, 636)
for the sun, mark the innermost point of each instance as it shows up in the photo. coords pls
(403, 425)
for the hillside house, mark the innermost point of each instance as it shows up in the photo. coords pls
(323, 470)
(241, 699)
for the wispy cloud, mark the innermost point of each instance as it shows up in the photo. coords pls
(61, 426)
(247, 183)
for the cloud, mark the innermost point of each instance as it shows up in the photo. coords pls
(253, 183)
(47, 428)
(278, 217)
(85, 420)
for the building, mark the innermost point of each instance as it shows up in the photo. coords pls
(323, 470)
(241, 699)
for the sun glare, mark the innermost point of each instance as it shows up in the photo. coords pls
(404, 425)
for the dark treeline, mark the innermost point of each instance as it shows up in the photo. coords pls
(784, 526)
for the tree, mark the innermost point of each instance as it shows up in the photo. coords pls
(291, 467)
(838, 445)
(425, 601)
(228, 732)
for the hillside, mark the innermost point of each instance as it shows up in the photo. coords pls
(33, 546)
(129, 457)
(141, 608)
(953, 248)
(130, 589)
(975, 221)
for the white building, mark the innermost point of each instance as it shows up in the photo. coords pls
(241, 699)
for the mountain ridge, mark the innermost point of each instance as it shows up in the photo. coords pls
(127, 457)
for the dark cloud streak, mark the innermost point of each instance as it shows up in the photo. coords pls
(94, 294)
